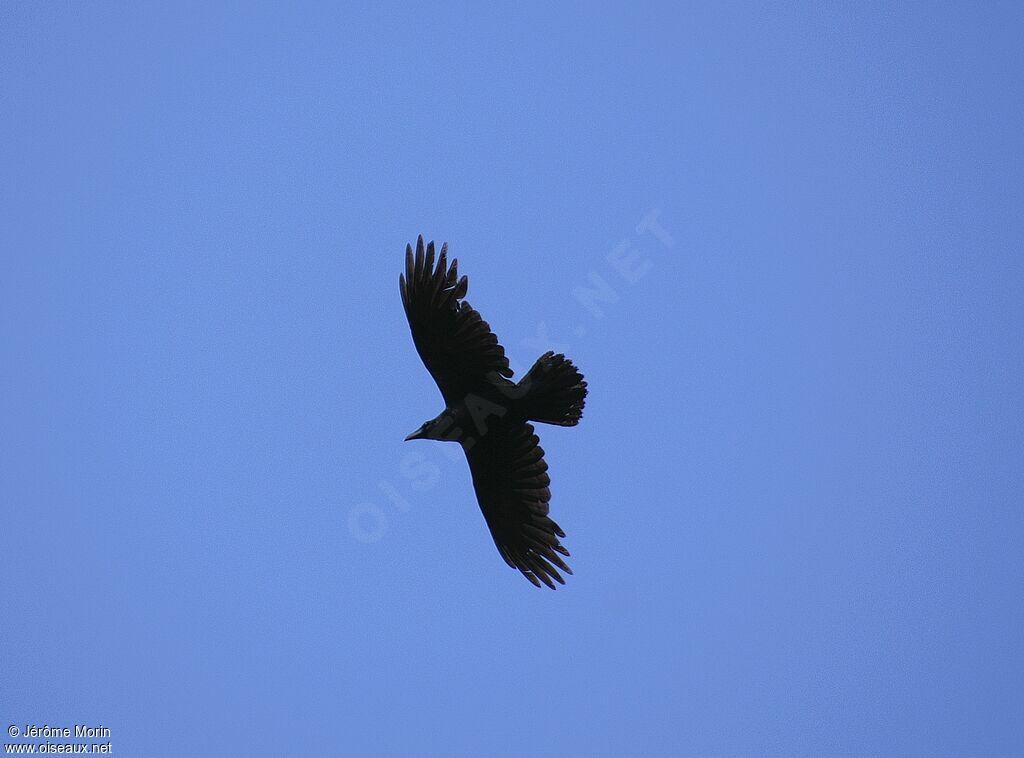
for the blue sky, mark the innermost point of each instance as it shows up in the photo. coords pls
(794, 501)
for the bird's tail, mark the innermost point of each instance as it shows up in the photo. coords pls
(554, 391)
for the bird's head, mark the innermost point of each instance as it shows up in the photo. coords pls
(443, 428)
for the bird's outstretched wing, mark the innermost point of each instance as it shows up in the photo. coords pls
(456, 345)
(511, 482)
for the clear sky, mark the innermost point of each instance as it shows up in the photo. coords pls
(783, 245)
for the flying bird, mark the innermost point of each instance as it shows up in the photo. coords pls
(489, 415)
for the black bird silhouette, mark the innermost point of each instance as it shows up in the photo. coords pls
(489, 415)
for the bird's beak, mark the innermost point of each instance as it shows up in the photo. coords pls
(417, 435)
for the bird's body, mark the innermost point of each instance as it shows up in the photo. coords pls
(489, 415)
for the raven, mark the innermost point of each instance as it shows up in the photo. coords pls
(488, 414)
